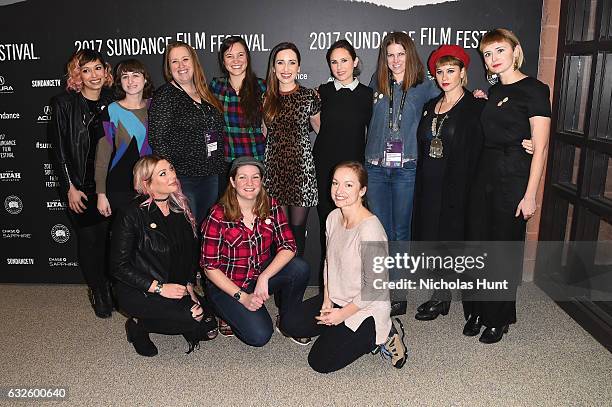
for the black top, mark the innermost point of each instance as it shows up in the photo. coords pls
(443, 184)
(191, 135)
(505, 118)
(147, 246)
(180, 237)
(345, 115)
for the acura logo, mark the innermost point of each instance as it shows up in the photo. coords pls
(1, 80)
(47, 109)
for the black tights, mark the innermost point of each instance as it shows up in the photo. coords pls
(91, 250)
(297, 216)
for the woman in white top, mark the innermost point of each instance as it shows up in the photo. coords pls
(349, 319)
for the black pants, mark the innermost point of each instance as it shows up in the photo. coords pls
(92, 243)
(162, 315)
(336, 346)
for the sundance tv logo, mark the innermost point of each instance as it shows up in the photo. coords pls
(45, 83)
(19, 261)
(4, 86)
(13, 205)
(46, 116)
(60, 233)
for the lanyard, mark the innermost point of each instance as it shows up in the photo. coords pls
(196, 104)
(401, 108)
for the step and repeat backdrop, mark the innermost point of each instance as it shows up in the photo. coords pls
(37, 241)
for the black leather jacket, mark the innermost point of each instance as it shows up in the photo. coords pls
(69, 135)
(140, 252)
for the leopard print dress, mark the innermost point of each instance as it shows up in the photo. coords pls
(290, 169)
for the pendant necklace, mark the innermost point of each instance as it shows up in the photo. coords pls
(436, 149)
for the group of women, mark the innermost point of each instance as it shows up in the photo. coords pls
(156, 163)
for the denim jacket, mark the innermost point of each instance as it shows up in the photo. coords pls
(379, 131)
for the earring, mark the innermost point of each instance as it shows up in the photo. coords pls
(492, 78)
(516, 64)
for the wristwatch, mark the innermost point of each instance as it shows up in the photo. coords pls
(158, 288)
(237, 295)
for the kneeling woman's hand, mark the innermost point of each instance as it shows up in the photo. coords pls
(261, 288)
(333, 316)
(251, 302)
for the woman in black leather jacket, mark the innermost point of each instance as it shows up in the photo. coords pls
(74, 132)
(154, 257)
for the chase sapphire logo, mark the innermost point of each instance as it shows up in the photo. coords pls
(60, 233)
(13, 204)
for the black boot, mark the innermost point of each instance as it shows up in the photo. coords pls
(99, 304)
(138, 337)
(472, 326)
(493, 334)
(431, 309)
(107, 296)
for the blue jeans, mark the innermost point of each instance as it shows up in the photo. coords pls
(202, 193)
(390, 197)
(255, 328)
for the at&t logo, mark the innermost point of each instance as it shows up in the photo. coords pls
(60, 233)
(4, 88)
(46, 116)
(13, 204)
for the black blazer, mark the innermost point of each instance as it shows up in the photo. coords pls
(140, 252)
(69, 134)
(462, 152)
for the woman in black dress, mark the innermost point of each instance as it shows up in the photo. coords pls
(75, 129)
(450, 140)
(504, 196)
(346, 109)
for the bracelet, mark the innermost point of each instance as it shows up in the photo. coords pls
(158, 288)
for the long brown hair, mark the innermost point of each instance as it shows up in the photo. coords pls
(250, 93)
(199, 79)
(271, 104)
(231, 207)
(415, 71)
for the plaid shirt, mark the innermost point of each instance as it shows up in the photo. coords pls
(242, 138)
(238, 251)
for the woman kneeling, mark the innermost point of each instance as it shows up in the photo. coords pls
(154, 258)
(237, 257)
(350, 319)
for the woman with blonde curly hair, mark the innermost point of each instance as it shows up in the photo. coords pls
(75, 129)
(154, 258)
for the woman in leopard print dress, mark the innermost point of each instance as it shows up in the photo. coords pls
(288, 110)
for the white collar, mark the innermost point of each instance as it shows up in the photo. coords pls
(338, 85)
